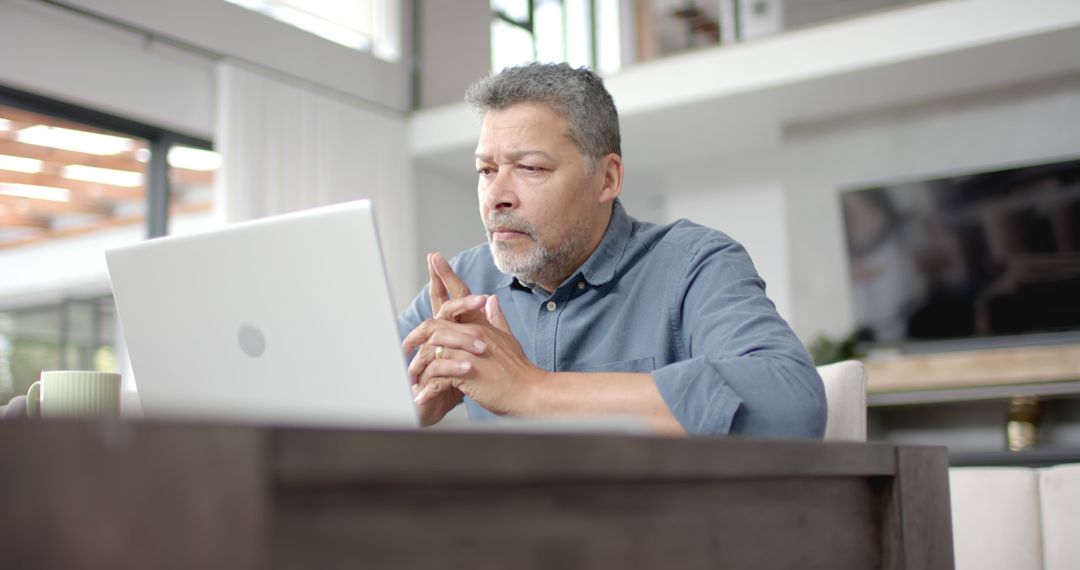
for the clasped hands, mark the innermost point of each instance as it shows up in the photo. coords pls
(466, 349)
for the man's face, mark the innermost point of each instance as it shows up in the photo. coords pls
(543, 210)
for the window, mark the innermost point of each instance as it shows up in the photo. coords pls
(74, 182)
(191, 187)
(59, 179)
(365, 25)
(511, 34)
(74, 334)
(583, 33)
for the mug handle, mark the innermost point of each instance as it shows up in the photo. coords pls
(33, 401)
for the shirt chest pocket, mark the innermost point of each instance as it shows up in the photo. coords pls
(647, 364)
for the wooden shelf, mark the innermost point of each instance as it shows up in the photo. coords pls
(977, 369)
(953, 395)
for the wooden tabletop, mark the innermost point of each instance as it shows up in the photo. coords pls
(156, 495)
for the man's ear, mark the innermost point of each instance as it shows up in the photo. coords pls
(611, 168)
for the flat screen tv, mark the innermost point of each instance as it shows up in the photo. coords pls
(979, 256)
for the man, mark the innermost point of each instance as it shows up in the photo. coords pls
(582, 309)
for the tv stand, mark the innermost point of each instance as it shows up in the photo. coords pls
(974, 369)
(963, 399)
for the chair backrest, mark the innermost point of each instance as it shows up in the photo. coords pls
(845, 391)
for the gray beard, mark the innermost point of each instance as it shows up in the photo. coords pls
(541, 264)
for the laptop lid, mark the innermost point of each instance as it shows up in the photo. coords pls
(282, 320)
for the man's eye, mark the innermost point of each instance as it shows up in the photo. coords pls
(529, 168)
(485, 171)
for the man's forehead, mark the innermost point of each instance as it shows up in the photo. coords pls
(522, 130)
(523, 117)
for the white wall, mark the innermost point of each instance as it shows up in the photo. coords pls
(447, 215)
(454, 50)
(1022, 124)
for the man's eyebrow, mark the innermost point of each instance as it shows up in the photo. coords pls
(515, 155)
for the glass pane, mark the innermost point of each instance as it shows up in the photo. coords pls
(73, 333)
(355, 15)
(191, 175)
(548, 28)
(579, 33)
(608, 37)
(60, 179)
(510, 45)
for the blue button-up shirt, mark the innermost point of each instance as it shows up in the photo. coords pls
(680, 301)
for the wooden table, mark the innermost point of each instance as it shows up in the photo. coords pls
(149, 495)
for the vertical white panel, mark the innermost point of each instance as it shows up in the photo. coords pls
(288, 146)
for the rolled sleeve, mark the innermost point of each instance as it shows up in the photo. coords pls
(703, 403)
(757, 396)
(747, 373)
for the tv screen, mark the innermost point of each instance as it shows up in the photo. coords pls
(981, 255)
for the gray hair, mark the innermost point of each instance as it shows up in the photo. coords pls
(578, 95)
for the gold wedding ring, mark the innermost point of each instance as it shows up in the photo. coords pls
(438, 351)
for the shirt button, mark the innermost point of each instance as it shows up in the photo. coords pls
(551, 306)
(581, 285)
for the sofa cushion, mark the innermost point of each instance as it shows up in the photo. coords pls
(996, 520)
(1060, 498)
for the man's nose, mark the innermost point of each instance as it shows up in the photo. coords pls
(499, 192)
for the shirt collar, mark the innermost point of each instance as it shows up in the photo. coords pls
(600, 267)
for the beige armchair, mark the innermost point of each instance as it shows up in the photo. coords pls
(845, 391)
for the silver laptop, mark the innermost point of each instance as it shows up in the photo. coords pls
(282, 320)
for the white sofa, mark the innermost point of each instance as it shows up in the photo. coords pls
(1016, 518)
(1004, 518)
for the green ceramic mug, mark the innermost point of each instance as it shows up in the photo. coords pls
(74, 393)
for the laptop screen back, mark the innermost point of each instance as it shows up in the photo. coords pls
(282, 320)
